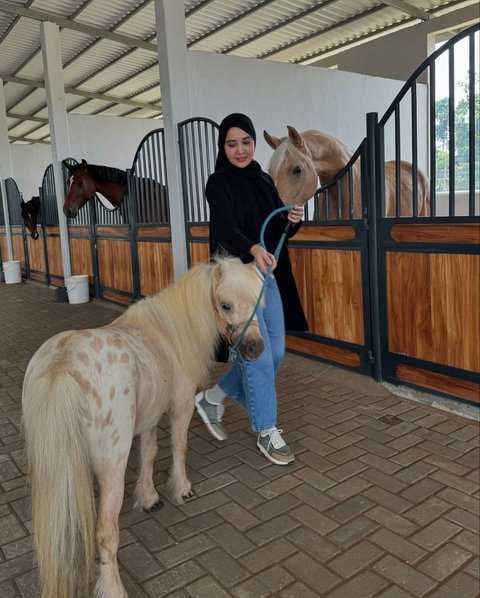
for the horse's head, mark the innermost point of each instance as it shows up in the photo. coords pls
(291, 167)
(80, 188)
(30, 210)
(236, 289)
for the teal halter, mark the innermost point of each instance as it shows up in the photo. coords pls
(232, 350)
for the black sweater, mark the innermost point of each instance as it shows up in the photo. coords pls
(240, 200)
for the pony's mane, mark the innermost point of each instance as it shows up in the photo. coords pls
(185, 315)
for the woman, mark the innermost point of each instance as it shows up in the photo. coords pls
(241, 196)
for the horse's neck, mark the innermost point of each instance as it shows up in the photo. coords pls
(114, 192)
(329, 156)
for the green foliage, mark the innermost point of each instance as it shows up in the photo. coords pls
(461, 137)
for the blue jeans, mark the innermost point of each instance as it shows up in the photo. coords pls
(252, 383)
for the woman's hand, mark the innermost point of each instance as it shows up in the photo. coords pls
(296, 214)
(263, 259)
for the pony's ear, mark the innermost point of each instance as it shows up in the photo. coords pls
(295, 136)
(272, 141)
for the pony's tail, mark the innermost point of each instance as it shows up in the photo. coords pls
(60, 476)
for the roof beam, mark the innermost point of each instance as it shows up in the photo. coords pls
(85, 94)
(28, 140)
(408, 8)
(41, 15)
(26, 117)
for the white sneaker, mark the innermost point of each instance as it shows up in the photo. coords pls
(275, 448)
(211, 415)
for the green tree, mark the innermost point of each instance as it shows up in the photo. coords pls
(462, 139)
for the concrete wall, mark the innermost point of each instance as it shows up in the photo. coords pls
(275, 94)
(398, 54)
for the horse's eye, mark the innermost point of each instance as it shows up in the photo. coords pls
(297, 170)
(226, 307)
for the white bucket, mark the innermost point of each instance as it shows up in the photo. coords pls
(77, 288)
(12, 271)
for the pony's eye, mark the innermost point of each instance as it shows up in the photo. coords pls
(226, 307)
(297, 170)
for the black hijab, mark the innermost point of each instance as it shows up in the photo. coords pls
(242, 122)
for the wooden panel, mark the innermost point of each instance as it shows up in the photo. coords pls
(117, 297)
(36, 254)
(325, 233)
(55, 263)
(436, 233)
(199, 252)
(4, 246)
(323, 351)
(79, 231)
(81, 257)
(162, 232)
(113, 231)
(115, 264)
(456, 387)
(433, 307)
(18, 249)
(199, 231)
(330, 286)
(156, 267)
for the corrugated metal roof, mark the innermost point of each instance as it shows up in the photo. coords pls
(107, 76)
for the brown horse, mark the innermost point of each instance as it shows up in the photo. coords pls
(30, 211)
(87, 393)
(301, 159)
(86, 180)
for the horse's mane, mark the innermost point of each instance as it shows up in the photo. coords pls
(286, 151)
(185, 315)
(104, 173)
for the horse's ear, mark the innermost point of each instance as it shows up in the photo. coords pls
(272, 141)
(84, 163)
(295, 136)
(22, 204)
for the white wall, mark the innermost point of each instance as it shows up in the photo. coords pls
(275, 94)
(29, 163)
(106, 140)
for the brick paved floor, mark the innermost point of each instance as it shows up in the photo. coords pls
(381, 501)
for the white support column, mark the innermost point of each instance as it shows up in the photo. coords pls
(57, 116)
(173, 65)
(6, 169)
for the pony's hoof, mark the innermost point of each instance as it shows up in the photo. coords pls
(155, 507)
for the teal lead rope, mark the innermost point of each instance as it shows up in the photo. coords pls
(233, 354)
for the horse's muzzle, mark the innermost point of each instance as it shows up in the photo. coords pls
(251, 348)
(34, 235)
(70, 212)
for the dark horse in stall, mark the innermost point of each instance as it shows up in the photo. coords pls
(30, 211)
(85, 180)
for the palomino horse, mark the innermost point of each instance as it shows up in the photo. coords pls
(86, 180)
(300, 159)
(30, 210)
(87, 393)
